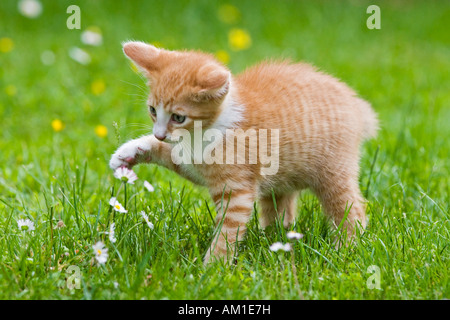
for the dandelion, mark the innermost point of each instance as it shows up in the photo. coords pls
(101, 253)
(144, 215)
(57, 125)
(98, 87)
(239, 39)
(125, 175)
(92, 36)
(79, 55)
(112, 238)
(228, 14)
(101, 131)
(280, 246)
(117, 206)
(223, 56)
(292, 235)
(148, 186)
(25, 225)
(6, 45)
(30, 8)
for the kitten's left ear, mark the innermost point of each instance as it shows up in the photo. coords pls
(214, 82)
(143, 55)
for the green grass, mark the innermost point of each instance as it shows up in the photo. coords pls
(45, 176)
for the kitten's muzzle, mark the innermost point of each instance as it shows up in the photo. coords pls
(160, 137)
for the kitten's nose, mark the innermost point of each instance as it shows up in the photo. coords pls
(160, 137)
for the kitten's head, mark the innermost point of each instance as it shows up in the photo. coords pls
(186, 86)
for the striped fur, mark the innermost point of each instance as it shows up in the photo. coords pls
(321, 124)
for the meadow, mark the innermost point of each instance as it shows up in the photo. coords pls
(63, 113)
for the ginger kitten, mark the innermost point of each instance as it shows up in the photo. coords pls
(318, 124)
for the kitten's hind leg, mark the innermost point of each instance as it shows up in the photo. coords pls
(341, 199)
(284, 207)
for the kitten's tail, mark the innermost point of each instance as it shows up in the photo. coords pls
(370, 120)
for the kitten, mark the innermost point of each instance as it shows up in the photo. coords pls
(319, 123)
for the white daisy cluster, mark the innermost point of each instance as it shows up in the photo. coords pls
(101, 252)
(291, 235)
(126, 175)
(25, 225)
(145, 217)
(280, 246)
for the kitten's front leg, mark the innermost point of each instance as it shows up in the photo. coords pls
(234, 208)
(133, 152)
(143, 150)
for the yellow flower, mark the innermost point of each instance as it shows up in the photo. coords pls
(223, 56)
(6, 45)
(98, 87)
(57, 125)
(239, 39)
(228, 14)
(11, 90)
(101, 131)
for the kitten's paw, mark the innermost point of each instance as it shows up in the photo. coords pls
(130, 154)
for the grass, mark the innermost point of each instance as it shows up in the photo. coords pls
(46, 176)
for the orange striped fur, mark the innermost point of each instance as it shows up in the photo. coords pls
(321, 124)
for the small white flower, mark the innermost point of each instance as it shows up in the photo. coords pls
(126, 175)
(47, 57)
(25, 225)
(30, 8)
(144, 215)
(294, 235)
(148, 186)
(79, 55)
(280, 246)
(117, 206)
(91, 38)
(112, 238)
(101, 253)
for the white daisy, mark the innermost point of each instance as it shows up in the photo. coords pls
(25, 225)
(112, 238)
(148, 186)
(101, 253)
(144, 215)
(91, 38)
(117, 206)
(280, 246)
(48, 57)
(30, 8)
(126, 175)
(79, 55)
(294, 235)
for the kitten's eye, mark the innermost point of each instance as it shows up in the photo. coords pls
(178, 118)
(152, 111)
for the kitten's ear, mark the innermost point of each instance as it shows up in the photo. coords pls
(145, 56)
(214, 82)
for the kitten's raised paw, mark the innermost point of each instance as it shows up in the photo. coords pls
(130, 154)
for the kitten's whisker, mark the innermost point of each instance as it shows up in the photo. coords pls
(143, 90)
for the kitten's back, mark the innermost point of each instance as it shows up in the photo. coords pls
(280, 94)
